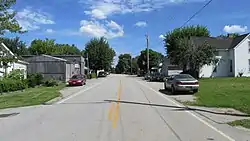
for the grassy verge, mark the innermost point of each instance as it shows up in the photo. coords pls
(244, 123)
(225, 93)
(28, 97)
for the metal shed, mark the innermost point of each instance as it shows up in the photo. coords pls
(78, 60)
(50, 67)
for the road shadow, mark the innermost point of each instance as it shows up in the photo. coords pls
(8, 115)
(178, 108)
(167, 92)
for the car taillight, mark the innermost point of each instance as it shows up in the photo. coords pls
(79, 81)
(178, 83)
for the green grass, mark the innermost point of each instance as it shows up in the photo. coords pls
(28, 97)
(225, 92)
(244, 123)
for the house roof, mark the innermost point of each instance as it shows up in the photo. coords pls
(7, 49)
(219, 43)
(56, 58)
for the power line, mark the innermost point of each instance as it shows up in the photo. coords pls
(196, 13)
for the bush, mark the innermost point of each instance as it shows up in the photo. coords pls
(9, 85)
(50, 83)
(16, 75)
(93, 75)
(34, 79)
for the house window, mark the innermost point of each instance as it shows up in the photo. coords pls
(231, 65)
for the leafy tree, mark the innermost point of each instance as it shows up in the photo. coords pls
(173, 38)
(17, 46)
(232, 35)
(100, 54)
(135, 66)
(155, 58)
(48, 46)
(7, 17)
(124, 63)
(195, 56)
(38, 47)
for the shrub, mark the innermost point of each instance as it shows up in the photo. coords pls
(34, 79)
(50, 83)
(93, 75)
(16, 75)
(9, 85)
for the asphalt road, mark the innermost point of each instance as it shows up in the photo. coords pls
(88, 115)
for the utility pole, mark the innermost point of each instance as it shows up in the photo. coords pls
(147, 39)
(88, 62)
(131, 64)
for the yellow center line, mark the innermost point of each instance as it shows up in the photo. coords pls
(115, 109)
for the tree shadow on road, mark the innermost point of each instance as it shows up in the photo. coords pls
(178, 108)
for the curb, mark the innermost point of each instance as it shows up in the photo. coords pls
(52, 101)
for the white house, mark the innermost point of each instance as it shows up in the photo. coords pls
(233, 55)
(22, 65)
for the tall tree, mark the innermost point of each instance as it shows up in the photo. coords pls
(100, 54)
(48, 46)
(172, 39)
(231, 35)
(155, 58)
(124, 63)
(7, 17)
(17, 46)
(135, 66)
(195, 56)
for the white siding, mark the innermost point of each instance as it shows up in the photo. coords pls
(222, 69)
(242, 55)
(20, 66)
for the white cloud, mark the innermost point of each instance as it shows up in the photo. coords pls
(101, 9)
(108, 29)
(141, 24)
(161, 36)
(235, 28)
(50, 31)
(32, 20)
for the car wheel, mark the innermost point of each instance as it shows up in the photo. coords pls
(195, 91)
(173, 90)
(84, 83)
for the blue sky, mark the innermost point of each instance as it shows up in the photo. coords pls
(125, 22)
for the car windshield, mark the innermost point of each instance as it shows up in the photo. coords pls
(184, 76)
(76, 77)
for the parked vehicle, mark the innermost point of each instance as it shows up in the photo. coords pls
(147, 76)
(77, 80)
(181, 82)
(156, 76)
(102, 74)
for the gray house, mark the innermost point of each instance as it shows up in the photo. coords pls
(51, 67)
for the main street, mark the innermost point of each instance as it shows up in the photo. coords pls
(93, 115)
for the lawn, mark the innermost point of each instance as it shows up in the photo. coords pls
(28, 97)
(225, 92)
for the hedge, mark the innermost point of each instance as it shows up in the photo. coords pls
(9, 85)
